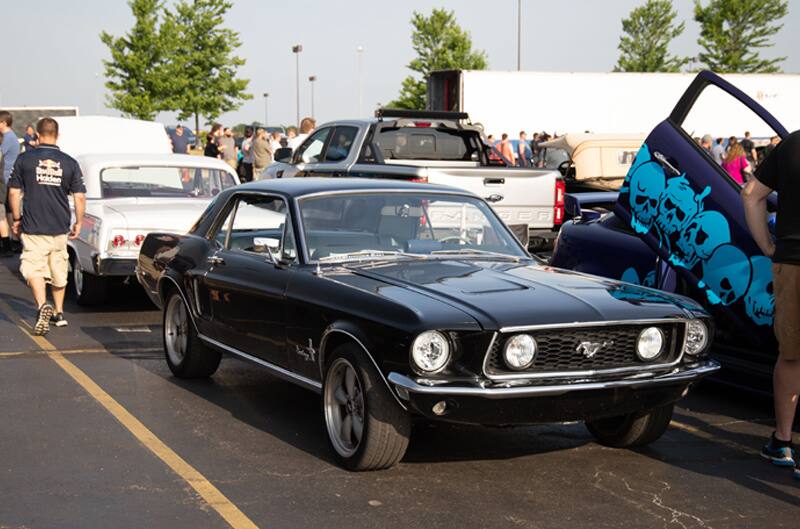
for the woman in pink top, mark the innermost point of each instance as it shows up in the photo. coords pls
(735, 163)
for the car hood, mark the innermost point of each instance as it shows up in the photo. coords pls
(147, 214)
(504, 294)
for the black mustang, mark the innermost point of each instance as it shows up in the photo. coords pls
(394, 299)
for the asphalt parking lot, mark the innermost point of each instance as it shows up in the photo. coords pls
(97, 433)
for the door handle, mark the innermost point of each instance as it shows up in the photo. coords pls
(494, 181)
(663, 159)
(215, 260)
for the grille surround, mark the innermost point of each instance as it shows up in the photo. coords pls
(557, 356)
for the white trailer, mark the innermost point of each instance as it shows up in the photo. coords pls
(614, 102)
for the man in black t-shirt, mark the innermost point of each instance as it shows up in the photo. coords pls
(46, 176)
(749, 149)
(780, 172)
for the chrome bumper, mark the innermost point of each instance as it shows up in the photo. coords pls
(683, 375)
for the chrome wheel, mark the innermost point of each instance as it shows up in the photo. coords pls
(176, 330)
(77, 276)
(344, 407)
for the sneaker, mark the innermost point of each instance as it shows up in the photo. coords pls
(42, 324)
(58, 320)
(781, 454)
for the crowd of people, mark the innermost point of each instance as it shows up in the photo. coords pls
(249, 154)
(739, 158)
(519, 153)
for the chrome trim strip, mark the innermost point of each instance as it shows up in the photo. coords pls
(587, 372)
(276, 370)
(407, 191)
(324, 339)
(676, 376)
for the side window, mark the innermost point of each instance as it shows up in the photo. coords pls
(341, 143)
(311, 149)
(254, 224)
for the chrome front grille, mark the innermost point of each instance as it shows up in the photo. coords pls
(559, 349)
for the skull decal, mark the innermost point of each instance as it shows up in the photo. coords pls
(678, 205)
(759, 301)
(706, 231)
(646, 185)
(630, 275)
(726, 275)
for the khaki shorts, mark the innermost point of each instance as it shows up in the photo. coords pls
(45, 256)
(786, 284)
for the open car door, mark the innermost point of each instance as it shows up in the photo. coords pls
(687, 208)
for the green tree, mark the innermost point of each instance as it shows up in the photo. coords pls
(440, 44)
(135, 74)
(203, 69)
(648, 30)
(732, 33)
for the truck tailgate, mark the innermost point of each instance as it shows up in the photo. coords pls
(519, 196)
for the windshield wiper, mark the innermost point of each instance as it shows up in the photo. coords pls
(475, 251)
(367, 254)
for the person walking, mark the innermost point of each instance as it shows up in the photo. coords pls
(523, 150)
(9, 149)
(735, 163)
(779, 172)
(227, 147)
(211, 150)
(262, 153)
(46, 176)
(749, 149)
(505, 149)
(30, 139)
(180, 142)
(246, 167)
(718, 151)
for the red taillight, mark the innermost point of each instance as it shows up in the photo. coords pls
(117, 241)
(422, 123)
(421, 179)
(139, 240)
(558, 206)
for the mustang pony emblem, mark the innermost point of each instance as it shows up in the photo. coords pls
(589, 349)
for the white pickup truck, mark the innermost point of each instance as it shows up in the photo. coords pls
(436, 147)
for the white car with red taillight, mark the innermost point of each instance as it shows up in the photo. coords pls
(129, 196)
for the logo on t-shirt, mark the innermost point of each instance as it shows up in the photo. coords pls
(49, 173)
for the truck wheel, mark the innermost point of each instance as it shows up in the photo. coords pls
(366, 427)
(87, 288)
(187, 356)
(628, 431)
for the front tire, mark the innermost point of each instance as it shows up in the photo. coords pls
(187, 356)
(366, 427)
(629, 431)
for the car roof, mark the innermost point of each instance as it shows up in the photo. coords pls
(298, 187)
(168, 159)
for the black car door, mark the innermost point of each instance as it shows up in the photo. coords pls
(686, 206)
(246, 284)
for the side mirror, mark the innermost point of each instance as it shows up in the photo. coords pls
(283, 155)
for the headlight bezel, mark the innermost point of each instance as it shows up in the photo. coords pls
(434, 335)
(639, 341)
(695, 351)
(520, 337)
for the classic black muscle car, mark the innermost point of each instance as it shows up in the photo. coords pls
(395, 299)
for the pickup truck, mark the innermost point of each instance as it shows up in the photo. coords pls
(435, 147)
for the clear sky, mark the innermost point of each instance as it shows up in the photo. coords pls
(52, 53)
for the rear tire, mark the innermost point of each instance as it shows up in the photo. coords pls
(366, 427)
(628, 431)
(187, 356)
(87, 288)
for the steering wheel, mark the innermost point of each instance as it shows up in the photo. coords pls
(455, 238)
(564, 167)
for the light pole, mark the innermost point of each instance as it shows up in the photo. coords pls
(266, 109)
(519, 35)
(360, 52)
(296, 49)
(311, 80)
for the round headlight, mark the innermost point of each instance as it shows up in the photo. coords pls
(430, 351)
(696, 337)
(650, 343)
(519, 351)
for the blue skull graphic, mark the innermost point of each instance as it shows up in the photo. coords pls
(678, 205)
(630, 275)
(759, 302)
(646, 184)
(726, 275)
(706, 231)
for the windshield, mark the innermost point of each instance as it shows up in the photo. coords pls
(195, 182)
(399, 224)
(427, 143)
